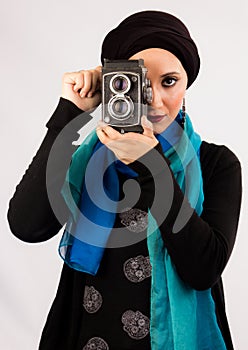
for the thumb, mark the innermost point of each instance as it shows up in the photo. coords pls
(147, 126)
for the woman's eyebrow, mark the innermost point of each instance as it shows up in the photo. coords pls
(169, 73)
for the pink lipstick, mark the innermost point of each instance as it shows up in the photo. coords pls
(156, 118)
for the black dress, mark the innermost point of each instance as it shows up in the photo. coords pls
(98, 311)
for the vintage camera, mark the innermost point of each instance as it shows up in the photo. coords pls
(125, 94)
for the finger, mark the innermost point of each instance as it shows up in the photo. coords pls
(69, 78)
(111, 133)
(74, 79)
(87, 83)
(101, 124)
(78, 81)
(147, 126)
(95, 84)
(102, 136)
(99, 69)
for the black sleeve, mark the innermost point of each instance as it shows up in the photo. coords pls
(202, 247)
(30, 215)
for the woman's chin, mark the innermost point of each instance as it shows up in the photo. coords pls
(158, 128)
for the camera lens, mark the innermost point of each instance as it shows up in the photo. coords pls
(120, 83)
(120, 107)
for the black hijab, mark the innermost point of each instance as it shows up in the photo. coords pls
(153, 29)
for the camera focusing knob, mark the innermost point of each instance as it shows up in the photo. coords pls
(149, 95)
(147, 91)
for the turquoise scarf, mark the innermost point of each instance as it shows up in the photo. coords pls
(181, 317)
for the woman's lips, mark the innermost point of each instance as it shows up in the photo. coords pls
(156, 118)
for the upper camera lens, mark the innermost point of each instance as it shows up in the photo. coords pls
(120, 83)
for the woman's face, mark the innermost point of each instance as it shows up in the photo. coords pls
(169, 82)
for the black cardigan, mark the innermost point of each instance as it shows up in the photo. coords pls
(200, 250)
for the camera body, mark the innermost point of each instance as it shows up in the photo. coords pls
(126, 91)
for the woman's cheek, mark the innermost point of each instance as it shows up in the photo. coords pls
(176, 104)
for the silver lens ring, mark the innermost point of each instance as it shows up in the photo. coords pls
(120, 107)
(120, 83)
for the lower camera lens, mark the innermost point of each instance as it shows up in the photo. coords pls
(120, 107)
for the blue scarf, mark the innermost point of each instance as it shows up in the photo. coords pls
(96, 190)
(181, 317)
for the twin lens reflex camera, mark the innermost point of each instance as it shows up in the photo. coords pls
(126, 91)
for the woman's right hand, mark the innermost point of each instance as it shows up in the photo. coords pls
(83, 88)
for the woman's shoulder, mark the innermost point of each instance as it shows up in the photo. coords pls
(217, 158)
(211, 152)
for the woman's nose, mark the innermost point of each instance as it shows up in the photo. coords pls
(157, 101)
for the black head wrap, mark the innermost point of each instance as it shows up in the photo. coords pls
(153, 29)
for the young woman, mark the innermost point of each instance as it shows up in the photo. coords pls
(143, 269)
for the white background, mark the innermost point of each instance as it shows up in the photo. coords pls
(42, 40)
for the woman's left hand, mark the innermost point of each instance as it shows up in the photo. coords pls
(130, 146)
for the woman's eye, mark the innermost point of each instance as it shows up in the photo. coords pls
(169, 82)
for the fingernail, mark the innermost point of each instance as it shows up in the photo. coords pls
(101, 123)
